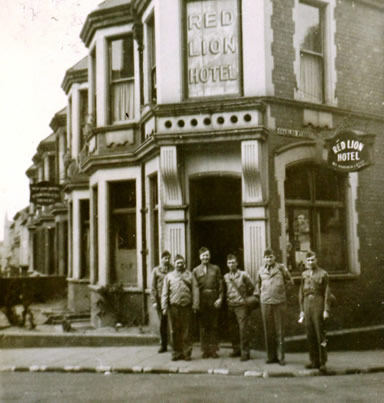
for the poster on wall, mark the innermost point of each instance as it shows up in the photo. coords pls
(213, 48)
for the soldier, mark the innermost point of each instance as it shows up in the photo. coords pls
(178, 301)
(314, 298)
(209, 283)
(158, 274)
(271, 285)
(238, 285)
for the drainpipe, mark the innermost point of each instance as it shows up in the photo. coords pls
(144, 245)
(138, 35)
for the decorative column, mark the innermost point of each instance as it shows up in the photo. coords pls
(254, 212)
(173, 209)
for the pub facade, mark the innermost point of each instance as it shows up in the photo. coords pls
(233, 124)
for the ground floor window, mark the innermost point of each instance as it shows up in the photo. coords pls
(123, 232)
(315, 216)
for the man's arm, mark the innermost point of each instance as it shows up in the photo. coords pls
(327, 293)
(249, 286)
(165, 296)
(220, 287)
(195, 293)
(155, 298)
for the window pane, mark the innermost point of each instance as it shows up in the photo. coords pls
(123, 101)
(331, 239)
(309, 28)
(328, 185)
(297, 183)
(121, 54)
(123, 195)
(125, 231)
(299, 236)
(311, 77)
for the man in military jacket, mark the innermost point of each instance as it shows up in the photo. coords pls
(178, 301)
(238, 285)
(271, 285)
(209, 283)
(314, 298)
(158, 274)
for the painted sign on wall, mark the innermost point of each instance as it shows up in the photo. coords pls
(348, 152)
(213, 48)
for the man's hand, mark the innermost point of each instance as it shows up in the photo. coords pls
(164, 312)
(301, 317)
(325, 315)
(217, 303)
(154, 305)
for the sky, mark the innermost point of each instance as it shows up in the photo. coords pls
(39, 41)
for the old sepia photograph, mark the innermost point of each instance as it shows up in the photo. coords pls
(192, 201)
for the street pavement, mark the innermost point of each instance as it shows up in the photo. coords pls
(146, 360)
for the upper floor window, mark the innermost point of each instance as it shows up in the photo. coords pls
(315, 217)
(152, 58)
(121, 79)
(311, 40)
(83, 115)
(52, 176)
(93, 89)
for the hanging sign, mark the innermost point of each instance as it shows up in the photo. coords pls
(213, 47)
(348, 152)
(44, 193)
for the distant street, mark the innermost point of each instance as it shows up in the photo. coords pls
(50, 387)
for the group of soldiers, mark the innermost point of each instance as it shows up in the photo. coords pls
(178, 294)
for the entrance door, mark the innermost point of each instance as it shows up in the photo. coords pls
(216, 218)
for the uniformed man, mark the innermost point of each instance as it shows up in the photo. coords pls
(158, 274)
(209, 283)
(238, 285)
(177, 301)
(271, 285)
(314, 298)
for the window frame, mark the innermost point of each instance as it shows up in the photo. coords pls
(114, 213)
(314, 206)
(113, 82)
(151, 58)
(306, 151)
(329, 51)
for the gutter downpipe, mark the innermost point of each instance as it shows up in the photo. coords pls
(138, 35)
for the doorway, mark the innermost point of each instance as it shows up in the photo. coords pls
(216, 218)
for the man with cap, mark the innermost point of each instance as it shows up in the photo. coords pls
(209, 287)
(314, 298)
(238, 285)
(271, 286)
(158, 274)
(178, 301)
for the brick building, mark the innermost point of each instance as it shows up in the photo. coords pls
(213, 123)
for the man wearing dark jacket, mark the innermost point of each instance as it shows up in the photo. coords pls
(209, 283)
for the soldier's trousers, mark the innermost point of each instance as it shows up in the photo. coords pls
(273, 320)
(314, 327)
(163, 319)
(238, 329)
(181, 326)
(208, 321)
